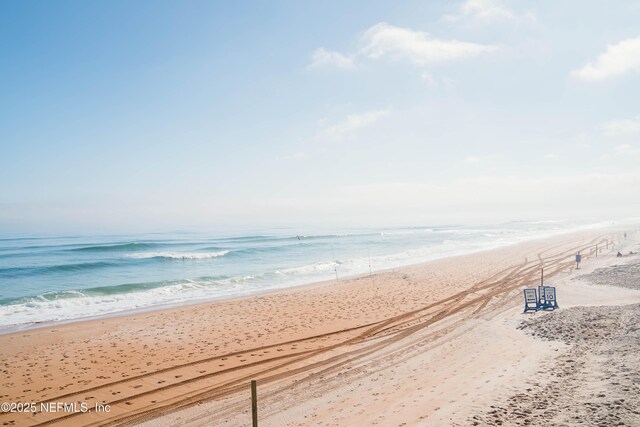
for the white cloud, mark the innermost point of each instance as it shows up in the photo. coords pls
(618, 59)
(322, 57)
(383, 40)
(621, 127)
(486, 11)
(353, 123)
(551, 156)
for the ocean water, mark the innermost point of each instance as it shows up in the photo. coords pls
(60, 278)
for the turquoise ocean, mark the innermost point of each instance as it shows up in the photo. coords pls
(46, 278)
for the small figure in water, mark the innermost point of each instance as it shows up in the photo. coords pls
(619, 254)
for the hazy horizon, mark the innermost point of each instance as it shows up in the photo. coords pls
(157, 116)
(292, 229)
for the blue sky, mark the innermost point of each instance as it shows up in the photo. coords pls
(163, 115)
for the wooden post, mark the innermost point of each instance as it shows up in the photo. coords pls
(542, 277)
(254, 403)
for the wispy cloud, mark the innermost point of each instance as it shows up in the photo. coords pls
(487, 11)
(621, 127)
(323, 57)
(385, 40)
(354, 123)
(388, 41)
(619, 59)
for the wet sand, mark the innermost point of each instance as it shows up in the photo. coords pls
(427, 344)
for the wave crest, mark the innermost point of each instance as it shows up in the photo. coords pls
(178, 255)
(115, 247)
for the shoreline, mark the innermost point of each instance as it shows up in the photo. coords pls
(193, 363)
(212, 300)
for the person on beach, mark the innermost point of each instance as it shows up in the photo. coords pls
(619, 255)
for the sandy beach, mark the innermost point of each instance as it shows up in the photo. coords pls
(439, 343)
(340, 208)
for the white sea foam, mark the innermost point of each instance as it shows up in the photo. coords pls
(40, 310)
(310, 269)
(177, 255)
